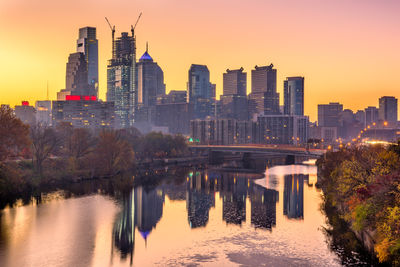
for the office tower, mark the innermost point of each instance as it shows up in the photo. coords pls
(43, 112)
(26, 113)
(388, 110)
(121, 79)
(200, 91)
(371, 115)
(263, 98)
(328, 115)
(150, 80)
(76, 78)
(234, 100)
(235, 82)
(293, 88)
(88, 45)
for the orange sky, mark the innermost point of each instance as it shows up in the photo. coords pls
(348, 51)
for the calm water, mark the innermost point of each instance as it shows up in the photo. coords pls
(205, 218)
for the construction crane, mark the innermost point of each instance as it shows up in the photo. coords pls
(134, 27)
(112, 33)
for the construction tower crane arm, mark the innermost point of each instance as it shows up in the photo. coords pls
(109, 24)
(134, 27)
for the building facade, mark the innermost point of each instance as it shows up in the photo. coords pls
(264, 98)
(201, 93)
(388, 110)
(293, 88)
(89, 46)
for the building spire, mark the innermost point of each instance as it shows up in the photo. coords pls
(147, 47)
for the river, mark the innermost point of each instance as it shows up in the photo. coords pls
(205, 218)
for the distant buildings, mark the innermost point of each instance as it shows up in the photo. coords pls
(293, 90)
(121, 79)
(83, 112)
(26, 113)
(371, 116)
(43, 113)
(173, 112)
(88, 45)
(282, 129)
(388, 110)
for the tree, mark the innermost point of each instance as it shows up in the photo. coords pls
(13, 134)
(112, 154)
(81, 143)
(45, 142)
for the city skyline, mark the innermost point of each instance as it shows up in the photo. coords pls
(344, 44)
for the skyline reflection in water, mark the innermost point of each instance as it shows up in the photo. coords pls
(209, 217)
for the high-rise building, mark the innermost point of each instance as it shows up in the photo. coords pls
(121, 79)
(293, 88)
(388, 110)
(200, 91)
(235, 82)
(150, 85)
(234, 100)
(76, 78)
(264, 98)
(88, 45)
(329, 114)
(371, 115)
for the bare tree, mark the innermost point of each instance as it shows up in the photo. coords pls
(13, 133)
(45, 142)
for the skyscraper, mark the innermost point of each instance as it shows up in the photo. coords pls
(293, 88)
(388, 109)
(150, 85)
(88, 45)
(235, 82)
(121, 79)
(264, 98)
(234, 99)
(76, 78)
(150, 80)
(200, 91)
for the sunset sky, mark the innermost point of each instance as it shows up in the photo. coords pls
(348, 50)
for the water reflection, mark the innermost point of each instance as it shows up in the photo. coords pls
(185, 219)
(294, 196)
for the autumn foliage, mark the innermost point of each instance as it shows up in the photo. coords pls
(364, 185)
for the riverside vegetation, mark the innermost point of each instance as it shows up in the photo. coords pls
(362, 186)
(37, 156)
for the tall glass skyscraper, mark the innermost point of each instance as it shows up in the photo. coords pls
(121, 79)
(200, 91)
(88, 45)
(293, 88)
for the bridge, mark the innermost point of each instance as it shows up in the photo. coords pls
(247, 152)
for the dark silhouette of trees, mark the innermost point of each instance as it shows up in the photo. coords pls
(45, 142)
(13, 134)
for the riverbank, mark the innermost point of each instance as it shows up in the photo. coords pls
(362, 186)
